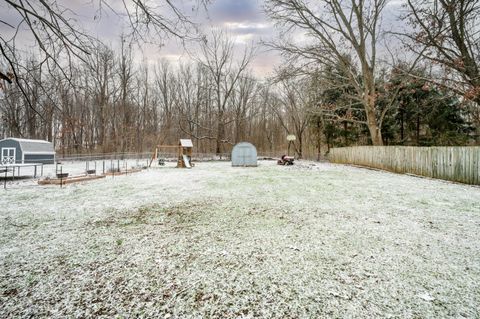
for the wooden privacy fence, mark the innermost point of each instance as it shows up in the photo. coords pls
(458, 164)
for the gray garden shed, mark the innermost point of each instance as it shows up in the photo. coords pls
(23, 151)
(244, 154)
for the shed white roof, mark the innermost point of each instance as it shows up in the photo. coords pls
(186, 143)
(27, 140)
(34, 146)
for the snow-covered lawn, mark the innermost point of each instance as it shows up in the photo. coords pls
(309, 241)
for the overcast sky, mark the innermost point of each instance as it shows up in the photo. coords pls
(244, 20)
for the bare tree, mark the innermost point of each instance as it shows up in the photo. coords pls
(450, 30)
(60, 39)
(191, 96)
(101, 87)
(293, 109)
(337, 29)
(217, 57)
(125, 74)
(243, 104)
(166, 86)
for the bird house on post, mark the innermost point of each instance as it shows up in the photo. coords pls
(185, 151)
(291, 139)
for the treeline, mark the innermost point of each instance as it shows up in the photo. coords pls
(112, 104)
(415, 111)
(328, 94)
(118, 106)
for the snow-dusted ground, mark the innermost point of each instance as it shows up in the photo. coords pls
(308, 241)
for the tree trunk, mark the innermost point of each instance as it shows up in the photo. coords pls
(418, 129)
(402, 129)
(373, 128)
(220, 133)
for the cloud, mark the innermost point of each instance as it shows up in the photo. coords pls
(247, 28)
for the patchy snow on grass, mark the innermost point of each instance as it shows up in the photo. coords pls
(311, 240)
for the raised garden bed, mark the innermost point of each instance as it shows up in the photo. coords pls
(69, 180)
(124, 172)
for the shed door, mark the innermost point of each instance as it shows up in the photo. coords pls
(8, 155)
(245, 155)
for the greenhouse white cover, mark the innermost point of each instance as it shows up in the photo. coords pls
(244, 154)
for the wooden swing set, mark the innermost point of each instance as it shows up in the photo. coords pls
(184, 153)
